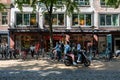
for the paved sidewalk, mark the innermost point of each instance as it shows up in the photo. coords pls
(49, 70)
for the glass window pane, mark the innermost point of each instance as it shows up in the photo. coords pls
(102, 2)
(54, 19)
(102, 20)
(82, 2)
(26, 19)
(59, 3)
(108, 19)
(46, 19)
(60, 19)
(4, 18)
(76, 1)
(88, 19)
(32, 19)
(26, 1)
(115, 20)
(18, 19)
(81, 19)
(75, 19)
(86, 2)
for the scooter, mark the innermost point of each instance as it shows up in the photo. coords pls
(84, 59)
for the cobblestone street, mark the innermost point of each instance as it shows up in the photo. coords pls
(45, 69)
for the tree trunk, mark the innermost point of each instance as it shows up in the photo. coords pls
(50, 31)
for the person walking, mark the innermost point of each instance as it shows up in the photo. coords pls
(79, 52)
(58, 49)
(37, 47)
(32, 50)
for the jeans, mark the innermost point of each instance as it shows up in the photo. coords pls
(59, 55)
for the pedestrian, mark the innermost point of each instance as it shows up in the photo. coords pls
(58, 49)
(32, 50)
(79, 52)
(37, 47)
(89, 49)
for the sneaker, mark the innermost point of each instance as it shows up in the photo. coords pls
(74, 63)
(78, 61)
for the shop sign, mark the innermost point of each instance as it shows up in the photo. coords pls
(54, 37)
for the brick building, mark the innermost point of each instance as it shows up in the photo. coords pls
(4, 22)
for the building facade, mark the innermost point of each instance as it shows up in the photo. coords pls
(93, 24)
(4, 22)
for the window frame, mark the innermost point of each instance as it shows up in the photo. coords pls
(84, 3)
(57, 25)
(23, 19)
(6, 17)
(112, 17)
(85, 24)
(103, 4)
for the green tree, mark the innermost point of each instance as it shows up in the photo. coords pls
(113, 3)
(2, 7)
(49, 5)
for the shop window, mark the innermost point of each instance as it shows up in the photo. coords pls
(81, 19)
(109, 20)
(4, 39)
(4, 18)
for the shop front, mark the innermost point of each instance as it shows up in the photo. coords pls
(24, 40)
(4, 37)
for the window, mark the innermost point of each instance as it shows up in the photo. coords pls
(25, 1)
(82, 2)
(81, 19)
(102, 3)
(57, 19)
(4, 18)
(109, 20)
(3, 38)
(26, 19)
(59, 3)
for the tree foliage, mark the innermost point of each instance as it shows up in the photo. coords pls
(114, 3)
(2, 7)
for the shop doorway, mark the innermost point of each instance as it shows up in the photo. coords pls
(117, 44)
